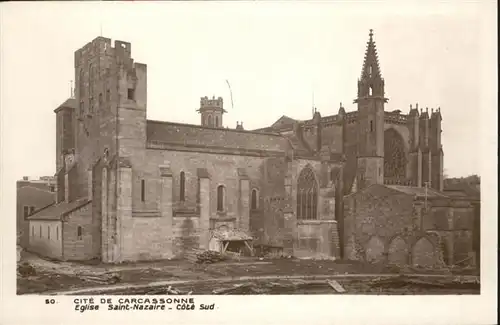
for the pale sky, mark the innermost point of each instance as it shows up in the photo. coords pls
(275, 55)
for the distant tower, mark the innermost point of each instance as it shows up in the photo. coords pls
(370, 120)
(211, 111)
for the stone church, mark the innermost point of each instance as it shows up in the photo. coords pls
(129, 188)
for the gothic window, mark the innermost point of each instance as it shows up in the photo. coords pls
(370, 90)
(40, 234)
(216, 121)
(182, 187)
(371, 126)
(209, 120)
(220, 198)
(32, 231)
(57, 233)
(48, 232)
(307, 195)
(254, 199)
(79, 232)
(394, 155)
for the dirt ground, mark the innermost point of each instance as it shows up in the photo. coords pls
(52, 276)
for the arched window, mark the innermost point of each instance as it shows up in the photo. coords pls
(209, 120)
(370, 91)
(220, 198)
(40, 234)
(32, 230)
(79, 232)
(371, 126)
(255, 199)
(57, 233)
(100, 100)
(307, 195)
(182, 187)
(216, 121)
(394, 155)
(370, 71)
(48, 232)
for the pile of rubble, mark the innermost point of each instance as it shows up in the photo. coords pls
(106, 278)
(204, 256)
(207, 257)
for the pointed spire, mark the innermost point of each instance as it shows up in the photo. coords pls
(370, 65)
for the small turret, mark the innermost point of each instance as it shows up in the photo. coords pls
(341, 110)
(211, 111)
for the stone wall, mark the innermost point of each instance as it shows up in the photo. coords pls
(75, 247)
(317, 239)
(221, 169)
(381, 226)
(45, 238)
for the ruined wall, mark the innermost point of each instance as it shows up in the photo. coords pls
(381, 225)
(45, 238)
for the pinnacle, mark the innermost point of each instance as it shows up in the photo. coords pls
(370, 63)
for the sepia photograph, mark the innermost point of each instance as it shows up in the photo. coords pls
(177, 150)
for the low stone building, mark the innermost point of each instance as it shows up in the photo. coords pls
(32, 195)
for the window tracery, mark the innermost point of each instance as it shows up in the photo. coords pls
(394, 155)
(307, 195)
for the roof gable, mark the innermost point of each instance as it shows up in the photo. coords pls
(57, 211)
(282, 121)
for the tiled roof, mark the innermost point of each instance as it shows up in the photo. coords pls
(418, 191)
(207, 137)
(229, 235)
(68, 103)
(57, 211)
(34, 188)
(461, 189)
(283, 121)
